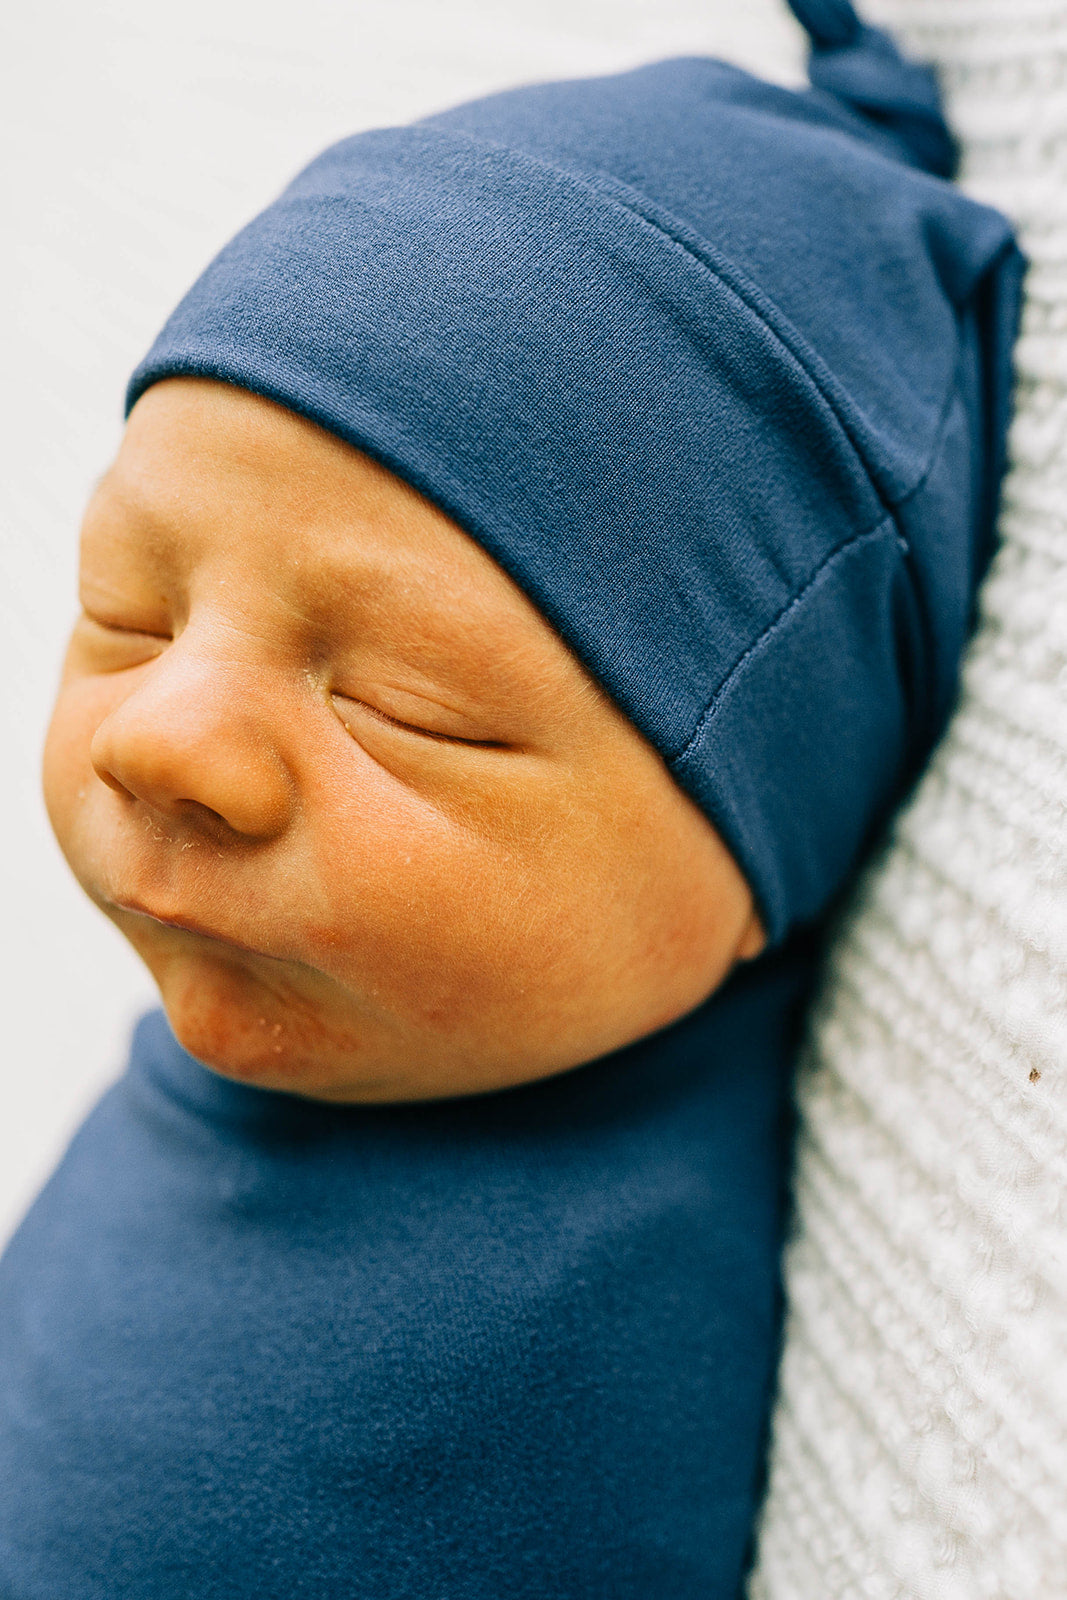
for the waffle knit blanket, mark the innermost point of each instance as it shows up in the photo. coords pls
(920, 1438)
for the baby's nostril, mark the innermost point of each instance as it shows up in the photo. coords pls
(199, 812)
(108, 777)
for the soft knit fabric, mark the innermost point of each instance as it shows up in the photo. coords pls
(920, 1444)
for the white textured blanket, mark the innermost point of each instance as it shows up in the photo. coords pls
(920, 1439)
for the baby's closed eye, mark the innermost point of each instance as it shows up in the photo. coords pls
(423, 719)
(107, 644)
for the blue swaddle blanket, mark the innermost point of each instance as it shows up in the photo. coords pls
(720, 373)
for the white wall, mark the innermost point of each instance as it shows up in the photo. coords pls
(138, 137)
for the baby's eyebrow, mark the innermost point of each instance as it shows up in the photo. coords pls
(440, 616)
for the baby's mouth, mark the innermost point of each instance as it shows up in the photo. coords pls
(185, 925)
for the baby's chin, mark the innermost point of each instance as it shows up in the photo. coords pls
(266, 1034)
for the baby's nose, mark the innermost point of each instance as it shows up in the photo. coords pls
(194, 740)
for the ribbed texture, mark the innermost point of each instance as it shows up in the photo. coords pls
(920, 1439)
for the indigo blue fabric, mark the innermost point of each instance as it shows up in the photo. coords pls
(516, 1347)
(720, 373)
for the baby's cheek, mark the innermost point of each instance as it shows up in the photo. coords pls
(420, 928)
(432, 921)
(67, 771)
(502, 944)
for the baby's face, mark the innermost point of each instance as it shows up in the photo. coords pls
(374, 829)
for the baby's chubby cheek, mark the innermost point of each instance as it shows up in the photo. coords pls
(459, 955)
(548, 929)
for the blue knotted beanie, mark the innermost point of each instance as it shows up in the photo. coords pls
(715, 370)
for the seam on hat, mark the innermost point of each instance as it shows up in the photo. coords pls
(817, 578)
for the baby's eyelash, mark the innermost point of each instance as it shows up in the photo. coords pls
(124, 628)
(414, 727)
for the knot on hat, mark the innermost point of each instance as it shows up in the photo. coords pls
(863, 69)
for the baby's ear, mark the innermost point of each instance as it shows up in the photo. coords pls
(753, 940)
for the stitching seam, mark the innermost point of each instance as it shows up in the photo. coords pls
(773, 626)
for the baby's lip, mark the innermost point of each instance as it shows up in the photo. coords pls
(185, 924)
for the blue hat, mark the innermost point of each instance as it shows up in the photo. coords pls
(719, 372)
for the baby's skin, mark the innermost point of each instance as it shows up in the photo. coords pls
(374, 829)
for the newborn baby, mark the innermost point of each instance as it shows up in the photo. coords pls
(538, 558)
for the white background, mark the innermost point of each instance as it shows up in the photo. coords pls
(137, 138)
